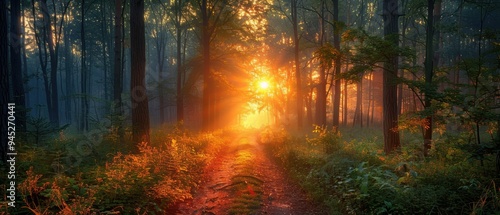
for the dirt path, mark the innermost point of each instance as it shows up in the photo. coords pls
(244, 181)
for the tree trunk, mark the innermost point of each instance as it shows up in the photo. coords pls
(40, 39)
(68, 66)
(139, 98)
(161, 86)
(4, 77)
(309, 103)
(207, 107)
(54, 98)
(160, 41)
(180, 94)
(401, 96)
(359, 85)
(321, 99)
(104, 45)
(50, 86)
(15, 59)
(358, 113)
(336, 45)
(390, 110)
(117, 65)
(298, 84)
(344, 104)
(111, 51)
(429, 71)
(370, 98)
(321, 89)
(25, 58)
(84, 123)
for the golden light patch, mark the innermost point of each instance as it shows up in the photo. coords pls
(264, 85)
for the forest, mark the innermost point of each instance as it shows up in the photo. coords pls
(249, 107)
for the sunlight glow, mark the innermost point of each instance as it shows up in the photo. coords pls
(264, 85)
(255, 118)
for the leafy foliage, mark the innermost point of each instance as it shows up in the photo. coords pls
(370, 51)
(163, 173)
(356, 177)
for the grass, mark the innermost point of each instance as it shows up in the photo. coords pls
(349, 173)
(346, 171)
(166, 171)
(246, 189)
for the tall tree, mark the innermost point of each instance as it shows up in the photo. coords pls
(159, 35)
(298, 86)
(429, 72)
(4, 77)
(390, 106)
(48, 41)
(336, 45)
(214, 15)
(84, 122)
(178, 31)
(15, 60)
(68, 66)
(358, 113)
(140, 107)
(206, 34)
(105, 46)
(117, 61)
(25, 58)
(53, 39)
(321, 89)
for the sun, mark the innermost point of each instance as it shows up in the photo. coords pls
(264, 85)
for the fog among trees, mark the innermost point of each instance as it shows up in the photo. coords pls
(127, 68)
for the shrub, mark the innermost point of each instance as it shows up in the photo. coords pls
(163, 173)
(64, 194)
(355, 176)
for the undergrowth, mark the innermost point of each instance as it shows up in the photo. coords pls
(246, 189)
(349, 173)
(166, 171)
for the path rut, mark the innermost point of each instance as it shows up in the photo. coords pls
(266, 189)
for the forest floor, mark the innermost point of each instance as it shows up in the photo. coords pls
(243, 180)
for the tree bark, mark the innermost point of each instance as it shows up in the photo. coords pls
(358, 113)
(140, 108)
(160, 41)
(370, 98)
(161, 86)
(390, 110)
(359, 99)
(344, 102)
(84, 123)
(309, 102)
(117, 62)
(180, 94)
(336, 45)
(429, 70)
(68, 66)
(298, 84)
(47, 48)
(104, 45)
(25, 58)
(54, 98)
(207, 107)
(4, 77)
(321, 89)
(40, 39)
(15, 59)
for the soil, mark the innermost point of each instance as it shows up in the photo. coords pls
(245, 158)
